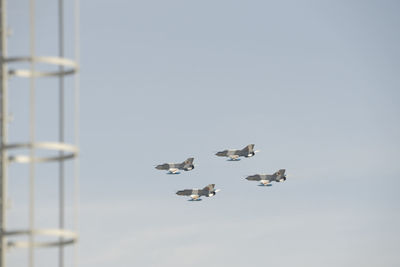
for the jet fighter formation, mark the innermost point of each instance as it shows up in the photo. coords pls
(233, 155)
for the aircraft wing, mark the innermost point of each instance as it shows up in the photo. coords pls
(272, 177)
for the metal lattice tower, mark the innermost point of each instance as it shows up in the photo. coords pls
(34, 152)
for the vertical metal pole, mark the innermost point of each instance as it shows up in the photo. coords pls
(61, 124)
(3, 130)
(76, 128)
(32, 115)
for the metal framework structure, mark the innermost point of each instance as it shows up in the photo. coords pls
(58, 151)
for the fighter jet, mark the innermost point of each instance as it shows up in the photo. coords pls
(196, 194)
(265, 179)
(233, 154)
(173, 168)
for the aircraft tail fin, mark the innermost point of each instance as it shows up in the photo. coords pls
(280, 175)
(189, 161)
(280, 172)
(209, 187)
(187, 165)
(248, 149)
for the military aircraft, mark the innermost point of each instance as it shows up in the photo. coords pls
(265, 179)
(173, 168)
(234, 154)
(196, 194)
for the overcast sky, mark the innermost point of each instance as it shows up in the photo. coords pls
(315, 85)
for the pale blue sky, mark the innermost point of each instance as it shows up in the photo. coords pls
(314, 84)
